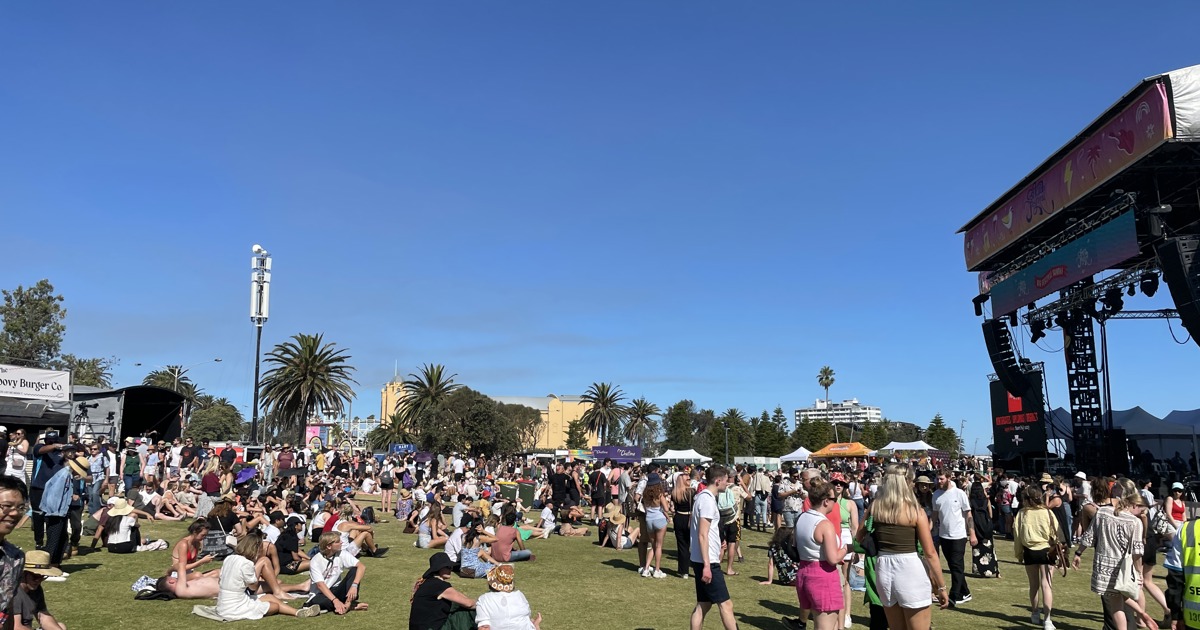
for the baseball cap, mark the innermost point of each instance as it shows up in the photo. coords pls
(1177, 486)
(1080, 475)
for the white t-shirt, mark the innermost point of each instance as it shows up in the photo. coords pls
(270, 532)
(329, 570)
(503, 611)
(547, 517)
(950, 506)
(124, 531)
(458, 466)
(176, 456)
(705, 507)
(368, 485)
(454, 544)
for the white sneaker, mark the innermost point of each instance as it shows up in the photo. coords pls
(66, 575)
(57, 578)
(641, 570)
(1048, 625)
(659, 574)
(849, 622)
(647, 572)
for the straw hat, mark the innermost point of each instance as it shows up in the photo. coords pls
(1046, 478)
(80, 466)
(500, 578)
(924, 479)
(613, 507)
(616, 519)
(405, 493)
(120, 507)
(38, 562)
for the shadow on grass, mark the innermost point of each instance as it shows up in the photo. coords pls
(756, 621)
(71, 567)
(618, 563)
(1021, 621)
(1059, 612)
(790, 610)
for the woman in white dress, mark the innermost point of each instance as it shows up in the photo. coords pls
(239, 577)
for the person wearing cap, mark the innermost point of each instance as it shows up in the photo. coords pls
(49, 462)
(436, 605)
(335, 576)
(1174, 506)
(60, 491)
(29, 602)
(503, 607)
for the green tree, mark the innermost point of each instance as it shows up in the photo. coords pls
(678, 424)
(33, 324)
(813, 435)
(825, 378)
(606, 412)
(942, 437)
(770, 435)
(702, 423)
(640, 426)
(741, 436)
(577, 434)
(526, 422)
(421, 391)
(215, 423)
(874, 435)
(96, 372)
(307, 376)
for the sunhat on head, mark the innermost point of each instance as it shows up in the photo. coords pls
(38, 562)
(120, 507)
(500, 578)
(438, 562)
(837, 477)
(226, 498)
(80, 465)
(1080, 475)
(405, 493)
(1046, 478)
(616, 518)
(614, 507)
(924, 479)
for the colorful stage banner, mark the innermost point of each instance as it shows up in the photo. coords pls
(1128, 136)
(1106, 246)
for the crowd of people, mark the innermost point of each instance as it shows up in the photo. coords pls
(882, 527)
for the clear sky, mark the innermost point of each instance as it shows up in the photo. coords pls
(702, 200)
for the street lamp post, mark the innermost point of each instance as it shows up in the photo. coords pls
(726, 425)
(260, 307)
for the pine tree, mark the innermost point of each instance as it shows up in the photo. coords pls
(678, 424)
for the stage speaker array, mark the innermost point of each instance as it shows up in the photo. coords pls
(1181, 271)
(1004, 358)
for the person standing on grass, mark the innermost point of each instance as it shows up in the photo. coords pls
(1035, 530)
(820, 549)
(955, 526)
(706, 552)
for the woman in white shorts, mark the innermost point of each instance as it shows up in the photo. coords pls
(902, 581)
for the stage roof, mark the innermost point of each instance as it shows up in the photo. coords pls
(1125, 148)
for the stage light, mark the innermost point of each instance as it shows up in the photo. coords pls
(978, 302)
(1113, 301)
(1012, 319)
(1149, 284)
(1132, 291)
(1037, 330)
(1062, 319)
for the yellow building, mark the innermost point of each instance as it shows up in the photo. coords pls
(389, 396)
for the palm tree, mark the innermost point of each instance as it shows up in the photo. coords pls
(308, 376)
(174, 378)
(606, 411)
(421, 391)
(640, 424)
(825, 379)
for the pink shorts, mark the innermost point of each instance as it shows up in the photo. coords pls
(818, 586)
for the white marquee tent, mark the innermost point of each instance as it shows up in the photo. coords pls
(908, 446)
(799, 455)
(688, 456)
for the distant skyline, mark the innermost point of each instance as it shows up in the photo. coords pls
(689, 200)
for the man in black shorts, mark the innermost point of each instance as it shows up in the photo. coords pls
(706, 552)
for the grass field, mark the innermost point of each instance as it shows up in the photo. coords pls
(573, 583)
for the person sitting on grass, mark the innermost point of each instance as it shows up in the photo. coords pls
(619, 536)
(29, 601)
(185, 556)
(292, 560)
(508, 537)
(502, 607)
(356, 538)
(333, 588)
(549, 522)
(782, 558)
(436, 605)
(172, 506)
(431, 533)
(241, 576)
(475, 561)
(124, 535)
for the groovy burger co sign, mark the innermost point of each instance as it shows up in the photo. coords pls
(26, 382)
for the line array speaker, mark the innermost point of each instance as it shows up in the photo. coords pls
(1004, 358)
(1177, 257)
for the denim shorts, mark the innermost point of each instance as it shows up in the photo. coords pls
(655, 521)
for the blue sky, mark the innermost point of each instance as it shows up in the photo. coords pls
(689, 199)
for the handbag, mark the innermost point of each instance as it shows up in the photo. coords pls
(1124, 581)
(217, 544)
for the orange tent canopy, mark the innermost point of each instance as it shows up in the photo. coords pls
(843, 449)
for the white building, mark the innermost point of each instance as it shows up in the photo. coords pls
(846, 411)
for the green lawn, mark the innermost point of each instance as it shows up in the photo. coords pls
(573, 583)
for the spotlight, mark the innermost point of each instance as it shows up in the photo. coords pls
(1149, 284)
(978, 301)
(1037, 330)
(1062, 319)
(1132, 291)
(1012, 319)
(1113, 301)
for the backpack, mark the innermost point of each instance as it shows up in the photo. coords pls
(386, 477)
(406, 481)
(368, 515)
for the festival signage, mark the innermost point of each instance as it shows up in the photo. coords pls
(402, 449)
(1018, 423)
(31, 383)
(1128, 136)
(622, 454)
(1106, 246)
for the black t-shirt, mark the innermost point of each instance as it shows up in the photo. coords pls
(224, 524)
(286, 545)
(26, 606)
(186, 456)
(228, 455)
(429, 612)
(48, 464)
(558, 486)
